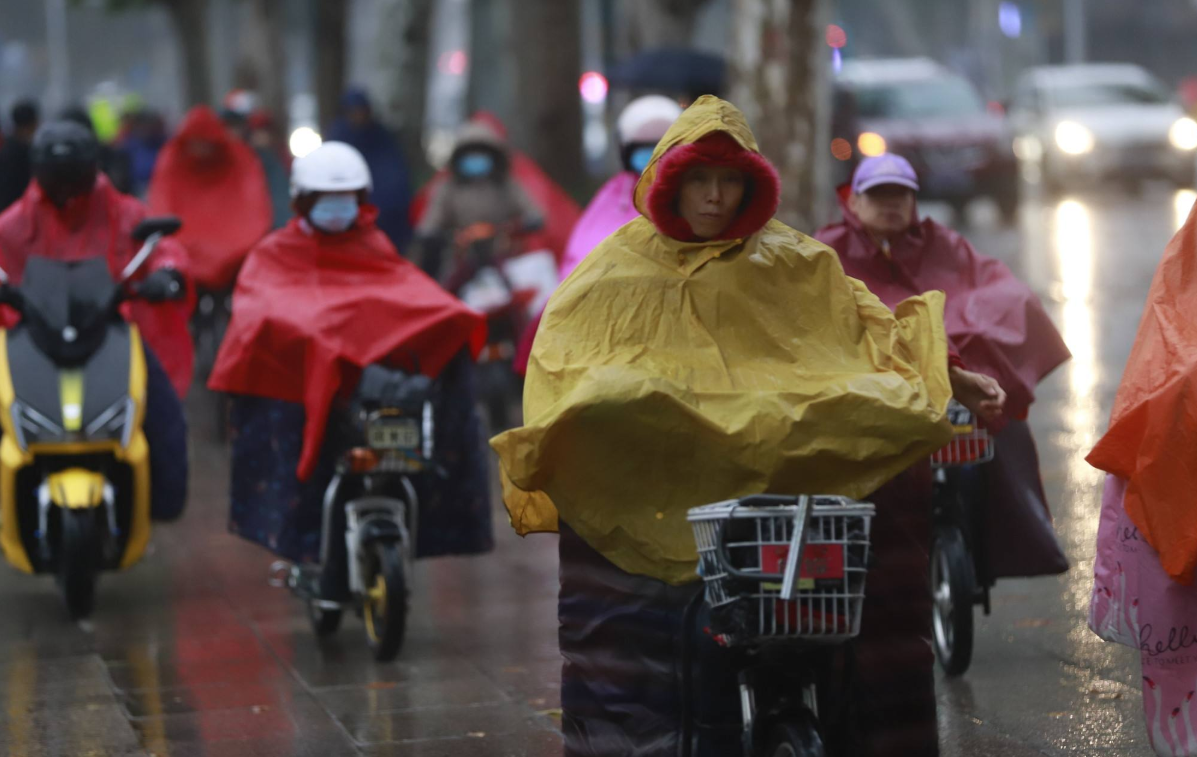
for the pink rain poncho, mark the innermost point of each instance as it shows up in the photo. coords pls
(610, 208)
(999, 328)
(1135, 603)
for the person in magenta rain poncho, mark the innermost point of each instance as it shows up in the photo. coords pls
(993, 320)
(641, 125)
(1143, 593)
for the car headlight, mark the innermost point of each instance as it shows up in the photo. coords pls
(871, 144)
(1183, 134)
(1073, 138)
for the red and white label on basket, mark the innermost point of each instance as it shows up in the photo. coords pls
(819, 561)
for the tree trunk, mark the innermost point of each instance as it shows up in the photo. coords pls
(190, 20)
(491, 74)
(780, 81)
(331, 19)
(262, 63)
(404, 30)
(548, 41)
(650, 24)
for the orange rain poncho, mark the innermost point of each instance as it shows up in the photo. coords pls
(1153, 428)
(669, 374)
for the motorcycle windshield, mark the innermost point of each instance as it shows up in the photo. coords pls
(66, 305)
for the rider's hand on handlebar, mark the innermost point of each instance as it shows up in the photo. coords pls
(982, 395)
(162, 285)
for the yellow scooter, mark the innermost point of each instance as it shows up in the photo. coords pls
(74, 462)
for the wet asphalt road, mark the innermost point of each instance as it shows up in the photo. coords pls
(192, 653)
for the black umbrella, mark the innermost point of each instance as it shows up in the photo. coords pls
(676, 70)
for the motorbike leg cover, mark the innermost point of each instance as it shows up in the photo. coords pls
(894, 686)
(455, 508)
(165, 428)
(623, 639)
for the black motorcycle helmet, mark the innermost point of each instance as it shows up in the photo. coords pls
(65, 160)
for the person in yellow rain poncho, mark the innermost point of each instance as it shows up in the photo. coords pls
(702, 352)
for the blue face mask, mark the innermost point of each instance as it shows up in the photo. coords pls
(473, 165)
(639, 158)
(334, 213)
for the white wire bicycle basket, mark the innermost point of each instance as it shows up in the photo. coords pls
(778, 568)
(970, 443)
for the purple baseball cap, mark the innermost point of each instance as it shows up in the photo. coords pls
(884, 169)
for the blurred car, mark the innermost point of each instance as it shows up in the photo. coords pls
(917, 108)
(1082, 124)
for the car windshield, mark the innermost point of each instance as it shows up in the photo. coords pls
(1097, 94)
(924, 98)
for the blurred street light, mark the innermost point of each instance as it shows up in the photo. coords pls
(836, 36)
(453, 62)
(593, 87)
(303, 140)
(1010, 19)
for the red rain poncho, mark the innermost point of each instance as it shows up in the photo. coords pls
(101, 225)
(560, 211)
(1153, 428)
(994, 321)
(310, 310)
(223, 199)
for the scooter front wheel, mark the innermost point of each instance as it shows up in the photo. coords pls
(384, 608)
(79, 561)
(795, 739)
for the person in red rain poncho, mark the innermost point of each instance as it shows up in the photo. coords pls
(317, 302)
(993, 320)
(71, 212)
(215, 183)
(88, 218)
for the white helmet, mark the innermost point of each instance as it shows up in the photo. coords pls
(331, 167)
(646, 119)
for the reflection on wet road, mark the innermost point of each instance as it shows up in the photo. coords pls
(1041, 682)
(191, 653)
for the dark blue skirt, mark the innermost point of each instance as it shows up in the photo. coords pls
(271, 507)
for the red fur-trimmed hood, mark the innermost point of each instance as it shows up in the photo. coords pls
(713, 132)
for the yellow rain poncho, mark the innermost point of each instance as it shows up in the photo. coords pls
(670, 374)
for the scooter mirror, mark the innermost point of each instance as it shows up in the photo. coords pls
(161, 225)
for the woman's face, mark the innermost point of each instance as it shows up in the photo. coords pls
(885, 210)
(710, 199)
